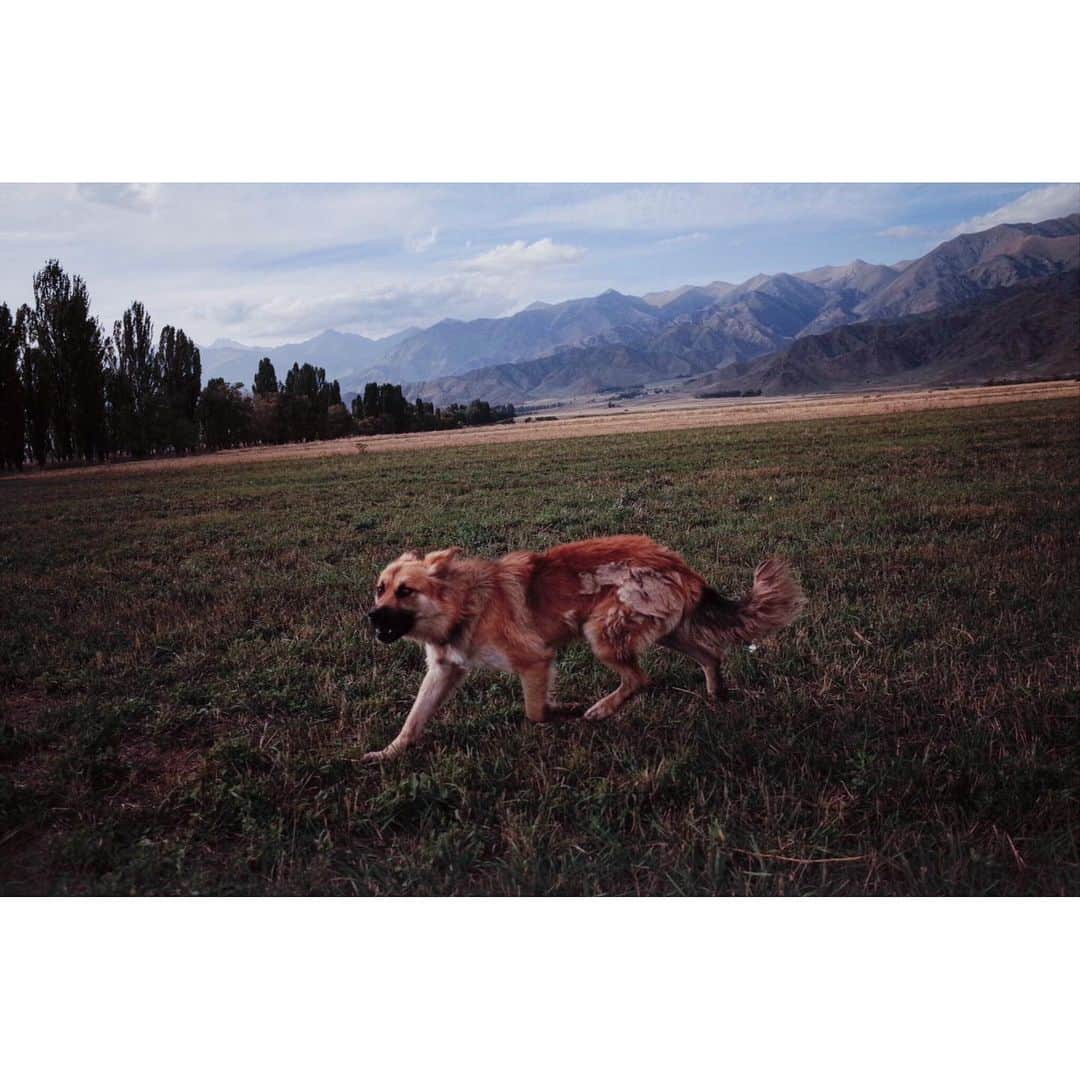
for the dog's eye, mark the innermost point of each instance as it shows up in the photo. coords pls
(403, 591)
(380, 589)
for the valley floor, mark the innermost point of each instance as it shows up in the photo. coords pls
(188, 682)
(668, 412)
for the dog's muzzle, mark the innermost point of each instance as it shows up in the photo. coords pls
(390, 623)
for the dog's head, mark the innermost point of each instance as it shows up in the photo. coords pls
(410, 596)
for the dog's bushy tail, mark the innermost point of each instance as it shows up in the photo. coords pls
(774, 601)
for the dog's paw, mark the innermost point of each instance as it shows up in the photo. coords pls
(374, 756)
(600, 711)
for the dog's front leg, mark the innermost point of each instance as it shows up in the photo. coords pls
(537, 683)
(441, 680)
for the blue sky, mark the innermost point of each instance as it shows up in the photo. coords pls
(269, 263)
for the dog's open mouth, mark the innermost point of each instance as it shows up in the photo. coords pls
(391, 624)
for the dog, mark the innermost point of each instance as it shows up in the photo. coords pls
(621, 593)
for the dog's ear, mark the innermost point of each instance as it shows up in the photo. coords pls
(438, 562)
(410, 556)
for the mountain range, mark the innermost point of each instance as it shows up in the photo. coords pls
(1030, 330)
(613, 340)
(346, 357)
(768, 313)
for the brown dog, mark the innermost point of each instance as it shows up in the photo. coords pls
(622, 593)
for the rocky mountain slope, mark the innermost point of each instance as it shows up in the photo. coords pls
(695, 332)
(963, 267)
(1028, 330)
(453, 345)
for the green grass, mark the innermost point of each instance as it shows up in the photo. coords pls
(189, 681)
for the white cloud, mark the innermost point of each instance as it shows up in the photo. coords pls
(497, 282)
(693, 207)
(374, 310)
(1052, 201)
(421, 242)
(139, 197)
(206, 257)
(683, 240)
(521, 256)
(905, 232)
(234, 312)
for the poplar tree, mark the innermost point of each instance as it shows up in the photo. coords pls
(72, 353)
(180, 367)
(12, 414)
(135, 383)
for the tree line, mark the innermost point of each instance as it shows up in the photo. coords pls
(384, 410)
(305, 407)
(71, 392)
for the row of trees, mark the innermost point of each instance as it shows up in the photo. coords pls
(69, 391)
(303, 407)
(384, 409)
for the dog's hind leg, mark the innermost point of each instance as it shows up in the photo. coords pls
(644, 606)
(632, 680)
(620, 652)
(708, 657)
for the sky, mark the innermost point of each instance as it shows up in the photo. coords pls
(265, 264)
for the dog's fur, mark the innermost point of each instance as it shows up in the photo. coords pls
(622, 593)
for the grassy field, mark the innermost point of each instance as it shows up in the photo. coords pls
(188, 681)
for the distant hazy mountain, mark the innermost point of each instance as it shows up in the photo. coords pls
(453, 345)
(613, 340)
(699, 329)
(688, 298)
(1023, 331)
(344, 356)
(858, 277)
